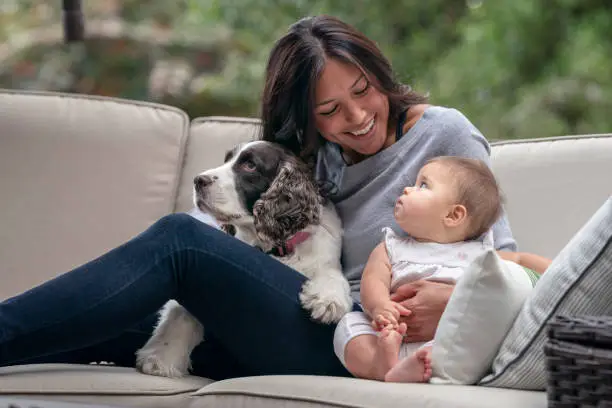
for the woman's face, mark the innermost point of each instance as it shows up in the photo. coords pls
(350, 111)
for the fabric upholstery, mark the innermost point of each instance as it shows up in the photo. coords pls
(80, 175)
(316, 392)
(552, 187)
(96, 384)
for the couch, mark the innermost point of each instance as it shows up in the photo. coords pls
(81, 174)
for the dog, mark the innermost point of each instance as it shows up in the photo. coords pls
(265, 196)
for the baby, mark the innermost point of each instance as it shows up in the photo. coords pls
(447, 216)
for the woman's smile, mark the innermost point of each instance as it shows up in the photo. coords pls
(365, 131)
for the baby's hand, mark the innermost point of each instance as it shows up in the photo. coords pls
(388, 314)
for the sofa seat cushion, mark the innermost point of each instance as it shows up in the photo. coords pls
(100, 384)
(310, 391)
(10, 402)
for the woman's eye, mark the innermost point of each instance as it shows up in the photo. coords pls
(329, 112)
(364, 90)
(248, 166)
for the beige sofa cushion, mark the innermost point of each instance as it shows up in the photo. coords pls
(309, 391)
(210, 138)
(97, 384)
(83, 175)
(552, 187)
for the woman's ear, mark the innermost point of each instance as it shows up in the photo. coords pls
(291, 204)
(456, 216)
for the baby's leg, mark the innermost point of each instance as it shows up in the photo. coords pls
(365, 352)
(370, 356)
(414, 368)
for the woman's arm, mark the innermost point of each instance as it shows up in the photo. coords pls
(528, 260)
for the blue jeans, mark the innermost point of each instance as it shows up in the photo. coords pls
(105, 309)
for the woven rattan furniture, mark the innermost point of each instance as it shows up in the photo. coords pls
(579, 362)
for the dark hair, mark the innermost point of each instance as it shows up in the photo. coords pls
(294, 65)
(477, 190)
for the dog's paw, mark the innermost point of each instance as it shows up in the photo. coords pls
(327, 302)
(162, 360)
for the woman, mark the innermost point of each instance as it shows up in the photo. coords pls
(331, 97)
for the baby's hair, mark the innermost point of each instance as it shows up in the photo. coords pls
(477, 190)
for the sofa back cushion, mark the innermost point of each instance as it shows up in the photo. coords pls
(552, 187)
(80, 175)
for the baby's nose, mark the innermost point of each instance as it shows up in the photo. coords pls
(408, 190)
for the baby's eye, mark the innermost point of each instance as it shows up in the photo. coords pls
(422, 184)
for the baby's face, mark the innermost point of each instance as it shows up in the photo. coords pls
(421, 209)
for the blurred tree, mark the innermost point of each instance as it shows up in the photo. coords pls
(124, 55)
(528, 68)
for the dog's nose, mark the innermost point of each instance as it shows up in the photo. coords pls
(202, 181)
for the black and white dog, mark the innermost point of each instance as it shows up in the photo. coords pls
(265, 196)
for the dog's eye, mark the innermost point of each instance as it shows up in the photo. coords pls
(248, 166)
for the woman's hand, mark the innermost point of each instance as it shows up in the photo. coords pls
(426, 301)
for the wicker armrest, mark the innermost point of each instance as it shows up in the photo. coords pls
(579, 361)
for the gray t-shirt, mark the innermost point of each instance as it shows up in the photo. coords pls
(366, 191)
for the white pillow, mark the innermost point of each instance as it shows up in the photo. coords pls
(481, 310)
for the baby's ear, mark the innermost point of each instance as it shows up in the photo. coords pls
(456, 216)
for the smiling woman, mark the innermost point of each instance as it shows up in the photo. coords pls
(349, 110)
(348, 83)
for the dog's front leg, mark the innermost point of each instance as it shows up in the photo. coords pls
(167, 352)
(327, 296)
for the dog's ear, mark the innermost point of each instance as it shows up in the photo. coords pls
(291, 203)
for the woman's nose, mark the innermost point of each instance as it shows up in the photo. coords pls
(356, 114)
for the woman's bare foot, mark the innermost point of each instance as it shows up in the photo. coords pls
(412, 369)
(387, 350)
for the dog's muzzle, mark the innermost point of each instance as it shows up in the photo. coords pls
(202, 181)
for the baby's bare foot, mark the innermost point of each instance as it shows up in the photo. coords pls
(387, 352)
(414, 368)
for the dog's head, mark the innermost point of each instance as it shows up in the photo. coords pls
(260, 185)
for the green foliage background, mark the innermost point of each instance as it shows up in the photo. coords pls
(516, 68)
